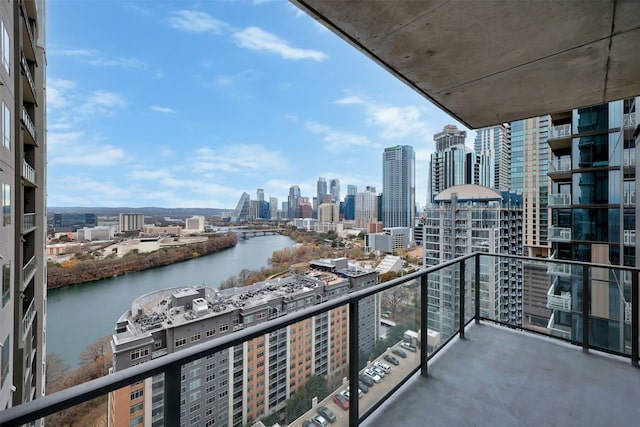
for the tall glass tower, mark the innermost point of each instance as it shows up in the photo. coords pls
(398, 186)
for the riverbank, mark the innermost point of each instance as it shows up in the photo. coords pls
(85, 268)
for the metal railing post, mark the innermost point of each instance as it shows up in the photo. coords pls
(586, 300)
(462, 265)
(477, 289)
(172, 393)
(353, 363)
(424, 324)
(635, 318)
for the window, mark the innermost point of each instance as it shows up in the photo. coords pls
(181, 341)
(193, 408)
(6, 48)
(194, 384)
(224, 327)
(211, 332)
(137, 407)
(6, 283)
(4, 361)
(139, 353)
(136, 421)
(195, 337)
(137, 394)
(6, 204)
(6, 126)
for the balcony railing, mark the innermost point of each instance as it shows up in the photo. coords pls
(559, 234)
(562, 164)
(630, 198)
(437, 320)
(28, 123)
(28, 172)
(560, 131)
(27, 318)
(559, 302)
(629, 121)
(563, 199)
(28, 271)
(629, 237)
(629, 159)
(27, 73)
(28, 222)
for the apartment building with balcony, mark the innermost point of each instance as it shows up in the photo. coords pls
(252, 380)
(22, 195)
(593, 214)
(471, 218)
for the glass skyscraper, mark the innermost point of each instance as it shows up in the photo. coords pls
(398, 186)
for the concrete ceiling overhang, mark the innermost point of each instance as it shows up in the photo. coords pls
(494, 61)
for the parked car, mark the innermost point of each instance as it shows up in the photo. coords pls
(366, 379)
(399, 352)
(373, 375)
(319, 421)
(345, 393)
(362, 386)
(408, 346)
(327, 414)
(386, 368)
(307, 423)
(341, 401)
(389, 358)
(381, 373)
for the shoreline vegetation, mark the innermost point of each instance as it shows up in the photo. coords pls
(87, 268)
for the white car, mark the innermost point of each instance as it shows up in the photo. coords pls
(386, 368)
(371, 374)
(381, 373)
(408, 346)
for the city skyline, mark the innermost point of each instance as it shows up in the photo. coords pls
(218, 104)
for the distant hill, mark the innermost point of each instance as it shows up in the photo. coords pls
(149, 211)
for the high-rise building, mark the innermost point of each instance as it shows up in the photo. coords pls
(334, 190)
(398, 186)
(249, 381)
(466, 219)
(453, 163)
(366, 207)
(328, 212)
(131, 222)
(352, 190)
(23, 200)
(273, 207)
(293, 200)
(260, 194)
(195, 224)
(64, 222)
(321, 189)
(493, 142)
(305, 209)
(593, 217)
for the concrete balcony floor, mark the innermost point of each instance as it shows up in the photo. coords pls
(501, 377)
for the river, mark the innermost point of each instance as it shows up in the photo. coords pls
(79, 315)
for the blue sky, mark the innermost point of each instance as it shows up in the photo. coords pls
(188, 104)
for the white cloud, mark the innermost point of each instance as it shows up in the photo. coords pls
(257, 39)
(57, 90)
(243, 158)
(337, 140)
(161, 109)
(95, 57)
(197, 22)
(80, 149)
(69, 105)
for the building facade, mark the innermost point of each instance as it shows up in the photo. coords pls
(131, 222)
(398, 186)
(293, 201)
(466, 219)
(195, 224)
(593, 217)
(243, 383)
(494, 142)
(73, 221)
(366, 207)
(23, 198)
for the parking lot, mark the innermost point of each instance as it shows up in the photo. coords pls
(376, 392)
